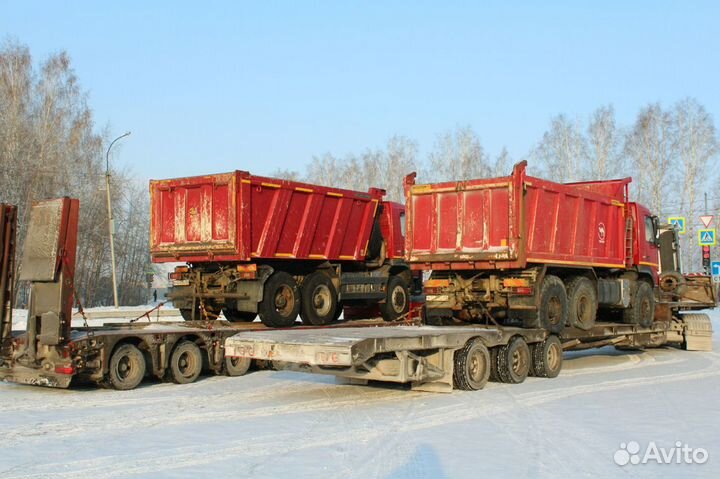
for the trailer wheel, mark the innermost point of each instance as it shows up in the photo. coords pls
(185, 363)
(513, 361)
(582, 303)
(397, 299)
(235, 316)
(127, 367)
(319, 299)
(547, 358)
(281, 301)
(642, 307)
(236, 366)
(553, 307)
(472, 366)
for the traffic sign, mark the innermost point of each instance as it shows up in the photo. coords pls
(678, 221)
(706, 220)
(707, 237)
(715, 268)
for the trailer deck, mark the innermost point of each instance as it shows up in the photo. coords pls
(425, 356)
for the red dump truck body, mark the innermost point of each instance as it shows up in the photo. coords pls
(509, 222)
(242, 217)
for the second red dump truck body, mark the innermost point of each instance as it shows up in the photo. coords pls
(514, 221)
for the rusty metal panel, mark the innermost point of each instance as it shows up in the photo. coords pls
(240, 217)
(41, 255)
(508, 222)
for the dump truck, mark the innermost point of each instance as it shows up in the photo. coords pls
(527, 252)
(276, 248)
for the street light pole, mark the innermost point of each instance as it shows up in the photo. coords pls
(111, 225)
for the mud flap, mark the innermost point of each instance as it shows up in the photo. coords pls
(697, 332)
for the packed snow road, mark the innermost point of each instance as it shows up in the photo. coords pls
(275, 424)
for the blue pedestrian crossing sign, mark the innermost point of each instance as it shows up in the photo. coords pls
(678, 221)
(707, 237)
(715, 268)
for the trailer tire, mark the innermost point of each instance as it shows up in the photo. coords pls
(281, 301)
(319, 299)
(513, 361)
(236, 366)
(642, 306)
(186, 314)
(471, 368)
(547, 358)
(185, 363)
(397, 299)
(235, 316)
(553, 306)
(127, 367)
(582, 303)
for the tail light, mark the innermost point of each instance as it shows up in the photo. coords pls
(435, 286)
(247, 271)
(65, 369)
(179, 273)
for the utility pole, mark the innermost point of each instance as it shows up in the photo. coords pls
(111, 224)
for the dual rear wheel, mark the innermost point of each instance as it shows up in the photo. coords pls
(475, 364)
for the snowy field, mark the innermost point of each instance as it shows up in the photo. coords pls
(283, 424)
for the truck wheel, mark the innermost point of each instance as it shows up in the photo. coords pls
(187, 314)
(471, 369)
(642, 306)
(185, 363)
(235, 316)
(553, 308)
(319, 299)
(513, 361)
(582, 303)
(127, 367)
(281, 301)
(397, 299)
(547, 358)
(236, 366)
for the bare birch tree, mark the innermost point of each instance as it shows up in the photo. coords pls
(563, 152)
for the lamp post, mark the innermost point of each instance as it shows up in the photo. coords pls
(111, 226)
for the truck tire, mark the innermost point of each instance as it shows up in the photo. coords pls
(553, 307)
(281, 301)
(185, 363)
(471, 368)
(547, 358)
(397, 299)
(235, 316)
(187, 314)
(319, 299)
(642, 306)
(127, 367)
(513, 361)
(236, 366)
(582, 303)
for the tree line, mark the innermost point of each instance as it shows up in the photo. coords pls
(670, 152)
(50, 147)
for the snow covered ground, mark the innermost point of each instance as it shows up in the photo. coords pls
(284, 424)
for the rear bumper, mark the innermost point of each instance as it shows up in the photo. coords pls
(35, 377)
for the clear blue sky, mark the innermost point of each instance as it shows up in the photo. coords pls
(215, 86)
